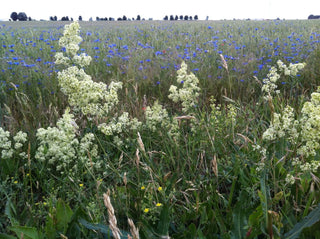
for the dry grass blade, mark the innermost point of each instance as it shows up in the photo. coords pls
(215, 165)
(134, 231)
(184, 117)
(224, 63)
(141, 143)
(112, 218)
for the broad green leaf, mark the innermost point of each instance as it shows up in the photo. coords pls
(104, 229)
(27, 232)
(308, 221)
(6, 236)
(63, 216)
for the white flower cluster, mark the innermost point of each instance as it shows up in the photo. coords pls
(96, 99)
(189, 92)
(118, 126)
(303, 134)
(283, 125)
(157, 119)
(292, 69)
(223, 118)
(60, 148)
(57, 144)
(270, 83)
(91, 97)
(89, 151)
(310, 126)
(5, 144)
(6, 149)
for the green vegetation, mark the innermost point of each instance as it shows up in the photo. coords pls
(161, 129)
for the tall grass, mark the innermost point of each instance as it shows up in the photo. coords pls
(218, 179)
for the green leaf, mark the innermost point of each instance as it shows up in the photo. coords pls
(104, 229)
(164, 221)
(239, 222)
(99, 227)
(63, 216)
(27, 232)
(6, 236)
(308, 221)
(10, 212)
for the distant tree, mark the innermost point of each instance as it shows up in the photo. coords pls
(55, 18)
(176, 18)
(196, 17)
(171, 18)
(80, 18)
(207, 18)
(14, 16)
(124, 18)
(29, 18)
(110, 19)
(22, 16)
(314, 17)
(138, 18)
(165, 18)
(90, 19)
(97, 18)
(71, 19)
(190, 18)
(186, 17)
(181, 17)
(119, 19)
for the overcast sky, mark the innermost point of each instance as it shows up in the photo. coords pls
(215, 9)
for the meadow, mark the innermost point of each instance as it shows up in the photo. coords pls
(160, 129)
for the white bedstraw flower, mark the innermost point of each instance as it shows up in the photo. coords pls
(283, 125)
(310, 126)
(20, 138)
(189, 92)
(5, 144)
(119, 125)
(157, 118)
(57, 145)
(290, 179)
(96, 99)
(270, 83)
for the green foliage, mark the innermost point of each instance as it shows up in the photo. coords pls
(193, 166)
(306, 222)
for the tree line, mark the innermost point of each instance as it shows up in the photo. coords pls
(22, 16)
